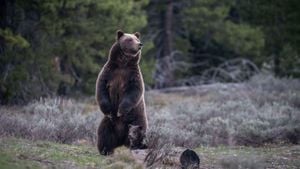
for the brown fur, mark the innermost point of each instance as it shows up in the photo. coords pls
(136, 137)
(120, 94)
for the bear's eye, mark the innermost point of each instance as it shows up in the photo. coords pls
(129, 40)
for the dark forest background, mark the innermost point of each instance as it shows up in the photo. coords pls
(57, 47)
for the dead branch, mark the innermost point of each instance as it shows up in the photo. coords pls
(176, 157)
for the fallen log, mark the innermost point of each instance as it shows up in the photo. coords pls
(174, 158)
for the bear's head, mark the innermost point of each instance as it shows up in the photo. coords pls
(130, 44)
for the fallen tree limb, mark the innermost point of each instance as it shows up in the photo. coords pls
(176, 157)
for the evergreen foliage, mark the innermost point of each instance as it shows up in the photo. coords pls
(58, 47)
(50, 47)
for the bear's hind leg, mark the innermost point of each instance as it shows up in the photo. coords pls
(107, 138)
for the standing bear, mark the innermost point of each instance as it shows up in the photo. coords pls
(120, 96)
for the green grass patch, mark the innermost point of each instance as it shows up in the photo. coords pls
(21, 153)
(24, 154)
(269, 156)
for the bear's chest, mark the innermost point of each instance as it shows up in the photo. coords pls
(117, 83)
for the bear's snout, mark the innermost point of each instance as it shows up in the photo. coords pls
(140, 45)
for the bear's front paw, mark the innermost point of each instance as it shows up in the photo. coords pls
(105, 107)
(111, 117)
(119, 114)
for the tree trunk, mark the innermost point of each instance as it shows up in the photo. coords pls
(277, 64)
(176, 158)
(164, 73)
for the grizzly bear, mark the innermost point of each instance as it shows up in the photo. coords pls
(120, 96)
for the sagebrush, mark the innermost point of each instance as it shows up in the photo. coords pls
(261, 111)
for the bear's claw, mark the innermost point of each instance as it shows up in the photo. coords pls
(105, 152)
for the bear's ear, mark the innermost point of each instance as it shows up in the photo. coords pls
(119, 34)
(137, 34)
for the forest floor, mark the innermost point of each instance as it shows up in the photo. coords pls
(252, 125)
(25, 154)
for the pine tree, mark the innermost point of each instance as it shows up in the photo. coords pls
(59, 46)
(280, 22)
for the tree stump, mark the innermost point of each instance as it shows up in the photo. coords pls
(175, 158)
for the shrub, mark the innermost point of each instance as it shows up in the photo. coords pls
(55, 119)
(263, 110)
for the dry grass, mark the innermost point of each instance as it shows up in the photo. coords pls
(263, 110)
